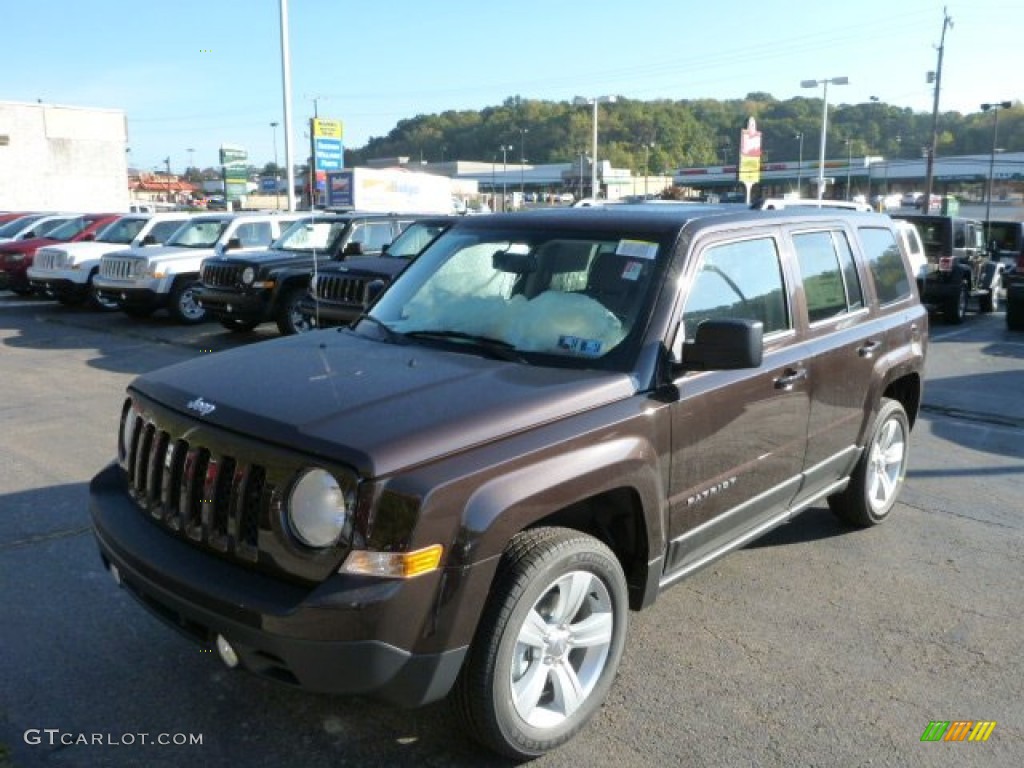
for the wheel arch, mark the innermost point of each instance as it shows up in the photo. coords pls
(616, 500)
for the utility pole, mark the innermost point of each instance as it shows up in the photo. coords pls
(167, 162)
(947, 23)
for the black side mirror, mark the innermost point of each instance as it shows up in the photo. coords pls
(353, 249)
(90, 236)
(149, 240)
(725, 345)
(233, 244)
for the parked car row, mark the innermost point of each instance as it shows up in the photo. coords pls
(303, 271)
(240, 269)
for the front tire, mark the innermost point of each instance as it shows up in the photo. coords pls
(183, 305)
(548, 645)
(289, 319)
(878, 477)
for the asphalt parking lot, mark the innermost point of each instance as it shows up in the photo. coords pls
(815, 646)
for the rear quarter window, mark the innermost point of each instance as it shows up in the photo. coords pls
(885, 263)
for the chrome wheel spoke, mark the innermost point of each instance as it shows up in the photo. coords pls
(528, 689)
(572, 591)
(595, 631)
(533, 631)
(568, 692)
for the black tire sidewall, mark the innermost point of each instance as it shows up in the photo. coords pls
(289, 304)
(176, 296)
(583, 556)
(890, 410)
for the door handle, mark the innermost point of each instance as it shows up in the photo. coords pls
(868, 348)
(790, 377)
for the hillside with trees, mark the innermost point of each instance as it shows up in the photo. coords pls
(672, 134)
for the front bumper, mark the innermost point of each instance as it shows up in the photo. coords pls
(127, 296)
(327, 314)
(252, 306)
(13, 278)
(58, 282)
(349, 634)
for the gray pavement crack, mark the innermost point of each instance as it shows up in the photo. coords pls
(45, 537)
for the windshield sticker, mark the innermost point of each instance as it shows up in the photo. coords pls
(588, 347)
(632, 271)
(637, 249)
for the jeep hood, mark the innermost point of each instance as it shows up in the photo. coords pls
(378, 407)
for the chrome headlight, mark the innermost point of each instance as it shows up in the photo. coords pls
(318, 512)
(248, 275)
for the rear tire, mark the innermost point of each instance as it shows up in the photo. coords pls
(548, 644)
(878, 477)
(990, 301)
(956, 308)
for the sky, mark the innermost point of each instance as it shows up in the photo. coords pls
(192, 75)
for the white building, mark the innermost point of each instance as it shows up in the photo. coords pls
(55, 157)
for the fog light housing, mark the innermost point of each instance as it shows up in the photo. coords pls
(226, 652)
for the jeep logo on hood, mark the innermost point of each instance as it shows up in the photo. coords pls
(201, 407)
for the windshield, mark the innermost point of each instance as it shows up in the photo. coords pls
(310, 234)
(122, 231)
(415, 238)
(69, 228)
(563, 298)
(14, 226)
(199, 233)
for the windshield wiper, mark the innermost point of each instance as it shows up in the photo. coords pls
(497, 348)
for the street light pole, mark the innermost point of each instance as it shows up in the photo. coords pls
(277, 185)
(167, 161)
(824, 122)
(505, 149)
(522, 163)
(994, 107)
(849, 162)
(581, 100)
(800, 167)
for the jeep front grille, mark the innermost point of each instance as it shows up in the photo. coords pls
(47, 258)
(222, 275)
(122, 268)
(220, 491)
(342, 289)
(213, 499)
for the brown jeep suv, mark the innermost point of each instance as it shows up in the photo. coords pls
(546, 420)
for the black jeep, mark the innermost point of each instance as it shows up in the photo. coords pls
(244, 290)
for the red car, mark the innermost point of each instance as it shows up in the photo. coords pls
(16, 256)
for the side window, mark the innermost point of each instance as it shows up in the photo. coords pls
(854, 294)
(739, 280)
(885, 264)
(254, 234)
(374, 235)
(831, 284)
(164, 230)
